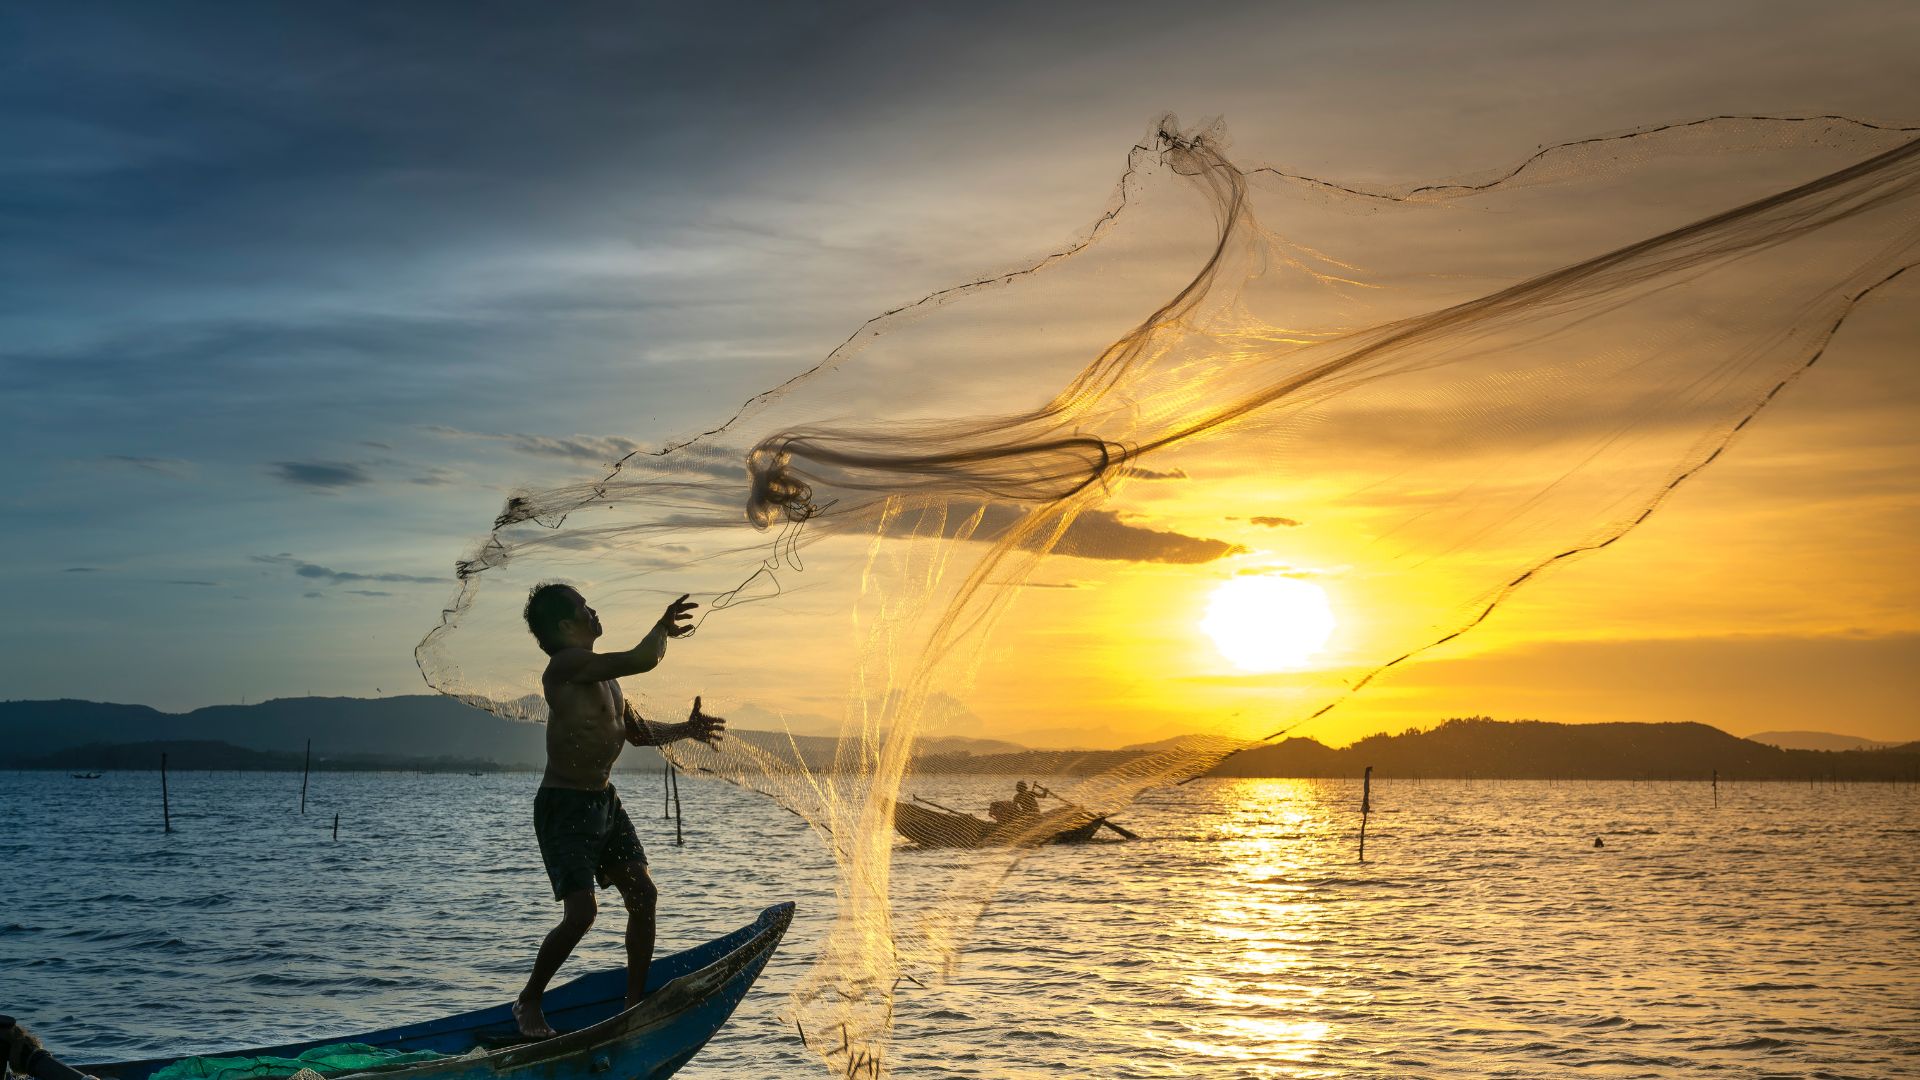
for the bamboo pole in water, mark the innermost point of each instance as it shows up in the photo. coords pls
(1366, 807)
(166, 812)
(673, 775)
(336, 827)
(305, 770)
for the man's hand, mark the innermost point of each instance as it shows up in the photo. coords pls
(677, 622)
(706, 729)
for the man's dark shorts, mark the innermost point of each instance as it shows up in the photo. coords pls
(583, 835)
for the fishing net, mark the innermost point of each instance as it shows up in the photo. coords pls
(335, 1059)
(1417, 399)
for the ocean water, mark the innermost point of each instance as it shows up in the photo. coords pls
(1774, 935)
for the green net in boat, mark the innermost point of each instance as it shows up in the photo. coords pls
(334, 1060)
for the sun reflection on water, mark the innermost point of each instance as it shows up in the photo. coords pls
(1269, 1014)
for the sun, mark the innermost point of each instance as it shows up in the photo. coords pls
(1268, 623)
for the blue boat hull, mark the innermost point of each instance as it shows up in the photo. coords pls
(690, 995)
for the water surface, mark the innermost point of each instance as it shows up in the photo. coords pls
(1776, 934)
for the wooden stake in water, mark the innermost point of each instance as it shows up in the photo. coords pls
(166, 812)
(666, 788)
(1366, 807)
(303, 776)
(673, 775)
(1716, 787)
(336, 827)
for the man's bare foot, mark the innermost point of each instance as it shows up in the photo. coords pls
(532, 1022)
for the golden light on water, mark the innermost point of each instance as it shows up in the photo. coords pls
(1268, 622)
(1266, 1012)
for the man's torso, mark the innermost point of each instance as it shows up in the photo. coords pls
(585, 731)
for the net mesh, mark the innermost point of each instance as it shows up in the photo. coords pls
(1426, 396)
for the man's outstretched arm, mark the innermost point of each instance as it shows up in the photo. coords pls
(587, 666)
(699, 727)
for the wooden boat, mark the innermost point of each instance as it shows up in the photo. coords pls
(931, 826)
(85, 775)
(689, 996)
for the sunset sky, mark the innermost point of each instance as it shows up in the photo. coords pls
(292, 296)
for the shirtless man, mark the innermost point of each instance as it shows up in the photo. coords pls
(584, 832)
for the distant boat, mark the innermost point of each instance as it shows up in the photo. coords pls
(476, 773)
(689, 996)
(931, 825)
(84, 775)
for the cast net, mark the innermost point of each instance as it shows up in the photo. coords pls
(1417, 399)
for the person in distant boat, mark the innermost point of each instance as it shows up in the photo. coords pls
(1025, 802)
(1024, 806)
(584, 833)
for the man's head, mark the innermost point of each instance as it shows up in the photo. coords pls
(1020, 786)
(559, 618)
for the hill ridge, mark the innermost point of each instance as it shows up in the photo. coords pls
(423, 730)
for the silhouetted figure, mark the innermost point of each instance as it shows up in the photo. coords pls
(584, 833)
(1597, 842)
(1024, 801)
(1023, 807)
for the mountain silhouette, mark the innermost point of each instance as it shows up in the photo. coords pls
(1537, 750)
(429, 731)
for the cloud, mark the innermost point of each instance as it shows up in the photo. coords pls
(1095, 534)
(1100, 534)
(173, 467)
(703, 459)
(330, 576)
(189, 581)
(592, 449)
(1302, 573)
(1141, 473)
(434, 477)
(367, 592)
(324, 475)
(1275, 522)
(81, 570)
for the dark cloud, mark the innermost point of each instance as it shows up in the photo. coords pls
(1100, 534)
(1095, 534)
(327, 574)
(324, 475)
(1274, 522)
(81, 570)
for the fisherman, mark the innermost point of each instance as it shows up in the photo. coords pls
(1025, 803)
(585, 835)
